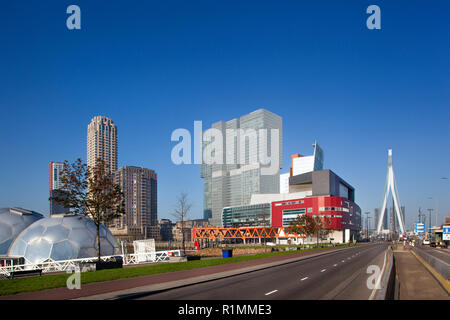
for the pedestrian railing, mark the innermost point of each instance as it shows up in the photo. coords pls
(7, 266)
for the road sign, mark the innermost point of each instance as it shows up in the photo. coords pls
(419, 228)
(446, 233)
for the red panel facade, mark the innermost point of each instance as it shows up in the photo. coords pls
(343, 213)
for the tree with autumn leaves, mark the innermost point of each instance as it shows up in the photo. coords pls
(90, 191)
(310, 226)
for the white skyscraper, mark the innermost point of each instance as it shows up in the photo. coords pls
(234, 183)
(102, 142)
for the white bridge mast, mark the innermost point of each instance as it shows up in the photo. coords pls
(391, 185)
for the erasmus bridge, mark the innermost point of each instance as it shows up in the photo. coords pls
(391, 186)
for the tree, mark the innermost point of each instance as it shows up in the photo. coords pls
(180, 213)
(321, 226)
(302, 225)
(310, 226)
(90, 192)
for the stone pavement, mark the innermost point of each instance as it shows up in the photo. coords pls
(415, 281)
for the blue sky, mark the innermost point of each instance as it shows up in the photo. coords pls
(156, 66)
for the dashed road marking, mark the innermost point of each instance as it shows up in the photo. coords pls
(334, 265)
(304, 278)
(271, 292)
(323, 270)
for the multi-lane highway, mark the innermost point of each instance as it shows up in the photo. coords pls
(338, 275)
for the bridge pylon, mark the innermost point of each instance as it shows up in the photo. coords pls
(391, 186)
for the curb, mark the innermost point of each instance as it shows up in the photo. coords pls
(384, 292)
(146, 290)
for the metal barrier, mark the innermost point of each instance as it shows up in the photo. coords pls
(437, 264)
(7, 266)
(386, 291)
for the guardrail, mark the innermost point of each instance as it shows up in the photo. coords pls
(7, 266)
(437, 264)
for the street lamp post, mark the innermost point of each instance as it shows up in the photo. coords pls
(367, 231)
(437, 207)
(429, 220)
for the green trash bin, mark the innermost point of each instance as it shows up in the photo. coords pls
(227, 253)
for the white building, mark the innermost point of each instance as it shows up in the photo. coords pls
(302, 164)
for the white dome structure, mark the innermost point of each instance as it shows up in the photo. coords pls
(63, 237)
(12, 222)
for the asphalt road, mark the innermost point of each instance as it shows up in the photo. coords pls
(338, 275)
(440, 253)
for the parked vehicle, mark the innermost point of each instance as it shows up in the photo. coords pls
(426, 242)
(443, 244)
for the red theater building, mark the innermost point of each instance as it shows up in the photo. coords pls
(331, 197)
(317, 193)
(344, 215)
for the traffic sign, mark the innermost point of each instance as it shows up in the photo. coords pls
(446, 233)
(419, 227)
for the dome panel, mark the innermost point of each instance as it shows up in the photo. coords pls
(56, 233)
(66, 237)
(82, 237)
(88, 252)
(6, 232)
(20, 247)
(64, 250)
(14, 221)
(74, 221)
(38, 251)
(32, 232)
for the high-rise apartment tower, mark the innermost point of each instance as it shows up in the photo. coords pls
(139, 187)
(102, 142)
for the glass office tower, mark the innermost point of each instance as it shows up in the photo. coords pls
(232, 182)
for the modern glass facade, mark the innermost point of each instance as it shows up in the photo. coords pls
(234, 181)
(257, 215)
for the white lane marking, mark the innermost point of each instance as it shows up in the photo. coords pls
(343, 260)
(334, 265)
(271, 292)
(323, 270)
(304, 278)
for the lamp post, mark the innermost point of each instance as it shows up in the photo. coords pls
(437, 207)
(368, 226)
(429, 219)
(367, 231)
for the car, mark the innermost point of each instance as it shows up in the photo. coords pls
(426, 242)
(434, 244)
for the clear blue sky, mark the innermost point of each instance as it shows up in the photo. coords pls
(155, 66)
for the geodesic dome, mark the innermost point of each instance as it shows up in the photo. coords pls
(12, 222)
(63, 237)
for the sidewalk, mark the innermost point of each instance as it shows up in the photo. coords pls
(121, 287)
(415, 281)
